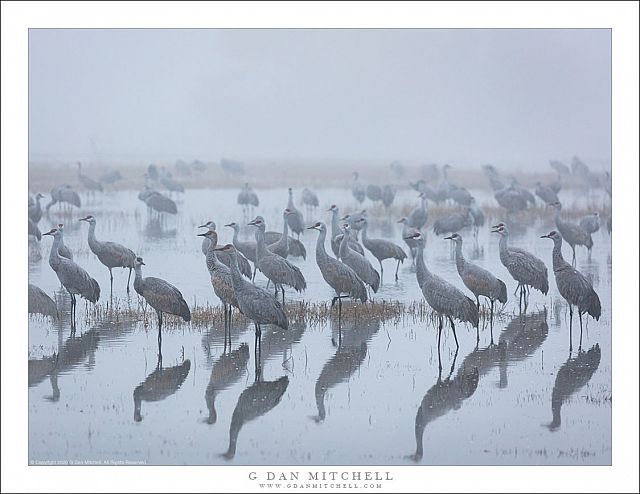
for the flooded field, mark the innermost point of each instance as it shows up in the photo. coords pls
(369, 392)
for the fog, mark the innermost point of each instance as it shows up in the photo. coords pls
(511, 97)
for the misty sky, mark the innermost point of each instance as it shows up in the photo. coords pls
(461, 96)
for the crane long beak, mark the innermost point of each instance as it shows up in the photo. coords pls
(205, 226)
(82, 219)
(495, 226)
(253, 223)
(311, 228)
(495, 231)
(201, 235)
(448, 238)
(219, 248)
(545, 236)
(229, 224)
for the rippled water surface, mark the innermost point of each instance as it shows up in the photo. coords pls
(370, 395)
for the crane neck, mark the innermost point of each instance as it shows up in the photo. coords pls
(344, 245)
(335, 229)
(261, 250)
(460, 261)
(212, 258)
(138, 280)
(236, 277)
(365, 236)
(321, 253)
(320, 393)
(290, 203)
(421, 268)
(54, 257)
(504, 243)
(285, 230)
(93, 241)
(558, 261)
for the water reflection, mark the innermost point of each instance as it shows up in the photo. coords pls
(573, 375)
(352, 349)
(254, 402)
(226, 371)
(156, 229)
(160, 384)
(214, 337)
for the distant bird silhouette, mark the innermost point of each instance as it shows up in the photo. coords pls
(408, 235)
(63, 194)
(374, 192)
(160, 203)
(460, 196)
(224, 258)
(388, 195)
(382, 249)
(590, 223)
(160, 384)
(477, 216)
(294, 218)
(310, 199)
(357, 188)
(253, 402)
(544, 192)
(561, 169)
(248, 199)
(41, 303)
(226, 371)
(418, 217)
(452, 223)
(34, 230)
(360, 264)
(573, 234)
(574, 287)
(110, 177)
(172, 185)
(89, 183)
(337, 236)
(111, 254)
(35, 210)
(72, 277)
(575, 373)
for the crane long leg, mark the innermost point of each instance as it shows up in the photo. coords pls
(159, 337)
(230, 309)
(570, 323)
(580, 317)
(397, 267)
(491, 321)
(453, 327)
(439, 335)
(128, 279)
(573, 260)
(516, 290)
(111, 281)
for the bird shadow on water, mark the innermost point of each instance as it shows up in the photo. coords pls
(157, 229)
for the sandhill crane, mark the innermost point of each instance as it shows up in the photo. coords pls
(526, 194)
(382, 249)
(545, 193)
(421, 186)
(477, 215)
(310, 199)
(254, 402)
(360, 264)
(579, 169)
(226, 371)
(35, 210)
(561, 169)
(182, 168)
(72, 277)
(247, 248)
(353, 220)
(555, 186)
(152, 172)
(232, 167)
(41, 303)
(339, 276)
(89, 183)
(111, 254)
(278, 270)
(296, 247)
(444, 188)
(336, 234)
(161, 296)
(524, 267)
(247, 199)
(480, 281)
(281, 247)
(408, 235)
(510, 199)
(444, 298)
(34, 230)
(111, 177)
(453, 223)
(574, 287)
(357, 188)
(223, 257)
(220, 280)
(590, 223)
(418, 217)
(161, 383)
(294, 218)
(172, 185)
(374, 192)
(573, 375)
(63, 250)
(160, 203)
(388, 195)
(430, 172)
(63, 194)
(573, 234)
(460, 195)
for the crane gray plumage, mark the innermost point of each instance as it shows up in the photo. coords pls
(111, 254)
(546, 193)
(64, 193)
(72, 277)
(510, 199)
(555, 185)
(296, 247)
(444, 188)
(340, 277)
(253, 402)
(360, 264)
(220, 273)
(34, 230)
(160, 203)
(357, 188)
(561, 169)
(337, 236)
(460, 195)
(88, 182)
(41, 303)
(421, 186)
(579, 168)
(525, 193)
(226, 371)
(408, 235)
(353, 220)
(524, 267)
(310, 198)
(281, 247)
(388, 195)
(247, 197)
(382, 249)
(275, 268)
(172, 185)
(374, 192)
(152, 172)
(590, 223)
(224, 257)
(452, 223)
(247, 248)
(161, 383)
(430, 172)
(477, 215)
(63, 250)
(183, 168)
(294, 218)
(35, 209)
(574, 287)
(444, 298)
(477, 279)
(573, 234)
(418, 217)
(110, 177)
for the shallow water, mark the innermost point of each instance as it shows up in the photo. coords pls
(372, 395)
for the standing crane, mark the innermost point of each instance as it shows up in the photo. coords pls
(480, 281)
(310, 200)
(360, 264)
(453, 223)
(374, 192)
(408, 235)
(63, 194)
(63, 250)
(35, 210)
(72, 277)
(34, 230)
(161, 296)
(418, 217)
(524, 267)
(247, 198)
(388, 195)
(546, 193)
(560, 168)
(357, 188)
(337, 236)
(221, 281)
(444, 298)
(573, 234)
(591, 223)
(281, 247)
(41, 303)
(382, 249)
(256, 303)
(294, 218)
(224, 258)
(111, 254)
(477, 216)
(245, 248)
(574, 287)
(344, 281)
(278, 270)
(89, 183)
